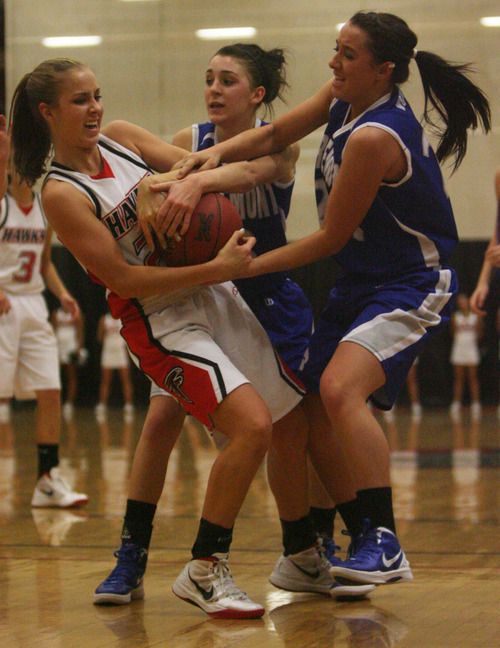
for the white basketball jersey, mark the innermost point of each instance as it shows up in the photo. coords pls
(22, 237)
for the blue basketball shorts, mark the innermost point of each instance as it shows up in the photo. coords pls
(392, 320)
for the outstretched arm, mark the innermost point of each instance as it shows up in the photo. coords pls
(490, 264)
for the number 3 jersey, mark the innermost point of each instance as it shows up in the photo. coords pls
(22, 237)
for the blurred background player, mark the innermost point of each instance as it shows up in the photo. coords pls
(114, 357)
(28, 347)
(72, 354)
(466, 328)
(491, 261)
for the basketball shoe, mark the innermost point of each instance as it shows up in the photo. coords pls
(375, 556)
(125, 583)
(208, 584)
(52, 490)
(309, 571)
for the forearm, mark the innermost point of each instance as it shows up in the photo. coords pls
(144, 281)
(53, 281)
(298, 253)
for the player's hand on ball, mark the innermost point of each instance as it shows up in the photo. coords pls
(181, 198)
(237, 255)
(148, 204)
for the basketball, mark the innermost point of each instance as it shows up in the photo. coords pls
(213, 222)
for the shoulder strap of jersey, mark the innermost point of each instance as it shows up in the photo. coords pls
(58, 170)
(4, 203)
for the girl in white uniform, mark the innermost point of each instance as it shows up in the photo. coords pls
(465, 356)
(72, 353)
(198, 342)
(114, 357)
(28, 348)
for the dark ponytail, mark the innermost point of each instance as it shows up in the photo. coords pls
(31, 138)
(460, 104)
(266, 68)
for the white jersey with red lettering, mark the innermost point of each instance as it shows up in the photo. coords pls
(22, 236)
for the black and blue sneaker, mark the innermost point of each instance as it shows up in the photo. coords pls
(375, 556)
(125, 583)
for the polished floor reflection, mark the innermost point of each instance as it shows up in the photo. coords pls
(446, 496)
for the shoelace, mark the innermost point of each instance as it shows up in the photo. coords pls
(128, 556)
(227, 586)
(328, 547)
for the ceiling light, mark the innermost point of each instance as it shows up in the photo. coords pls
(226, 32)
(72, 41)
(490, 21)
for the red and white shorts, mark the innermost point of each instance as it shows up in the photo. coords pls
(204, 346)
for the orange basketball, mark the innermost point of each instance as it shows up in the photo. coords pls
(213, 222)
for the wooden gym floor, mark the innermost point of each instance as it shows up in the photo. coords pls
(446, 485)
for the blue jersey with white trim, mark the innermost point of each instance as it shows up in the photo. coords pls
(410, 225)
(263, 209)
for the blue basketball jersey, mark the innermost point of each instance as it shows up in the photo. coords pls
(410, 225)
(263, 209)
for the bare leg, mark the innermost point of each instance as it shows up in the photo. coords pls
(104, 387)
(126, 382)
(287, 465)
(246, 420)
(48, 416)
(351, 376)
(161, 430)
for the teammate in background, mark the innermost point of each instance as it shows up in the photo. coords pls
(239, 80)
(72, 354)
(466, 328)
(196, 339)
(491, 261)
(391, 226)
(114, 356)
(414, 391)
(28, 347)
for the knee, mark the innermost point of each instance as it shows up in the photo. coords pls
(164, 421)
(257, 433)
(333, 392)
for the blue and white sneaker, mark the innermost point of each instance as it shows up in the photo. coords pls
(329, 549)
(125, 583)
(375, 557)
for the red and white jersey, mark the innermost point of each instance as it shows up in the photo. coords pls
(22, 237)
(113, 193)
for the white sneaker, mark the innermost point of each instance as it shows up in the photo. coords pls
(52, 490)
(209, 585)
(309, 571)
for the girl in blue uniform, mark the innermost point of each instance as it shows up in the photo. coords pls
(385, 215)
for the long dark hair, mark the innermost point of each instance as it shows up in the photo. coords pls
(265, 68)
(31, 138)
(460, 104)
